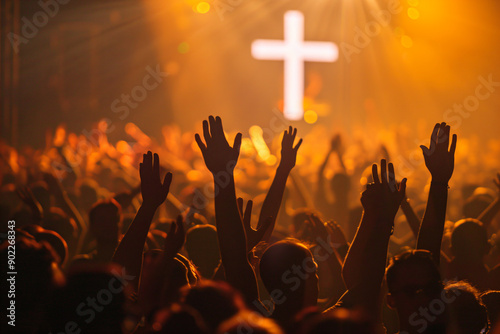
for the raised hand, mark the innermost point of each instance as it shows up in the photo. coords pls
(384, 195)
(438, 159)
(217, 153)
(153, 191)
(336, 234)
(288, 152)
(175, 238)
(253, 236)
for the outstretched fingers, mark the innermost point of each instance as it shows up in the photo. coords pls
(383, 171)
(375, 177)
(206, 132)
(200, 143)
(453, 146)
(237, 143)
(166, 182)
(247, 216)
(296, 148)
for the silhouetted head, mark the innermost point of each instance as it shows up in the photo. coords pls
(288, 266)
(491, 300)
(202, 248)
(93, 300)
(41, 192)
(340, 321)
(466, 313)
(87, 194)
(469, 240)
(37, 277)
(249, 322)
(475, 205)
(179, 319)
(413, 281)
(57, 220)
(56, 242)
(105, 220)
(340, 185)
(214, 301)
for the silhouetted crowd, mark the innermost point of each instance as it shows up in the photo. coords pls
(210, 236)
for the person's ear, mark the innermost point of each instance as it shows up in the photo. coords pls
(390, 301)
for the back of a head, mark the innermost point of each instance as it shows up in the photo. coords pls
(37, 277)
(466, 313)
(417, 258)
(278, 263)
(93, 299)
(56, 242)
(178, 319)
(491, 300)
(475, 205)
(340, 321)
(469, 239)
(57, 220)
(87, 191)
(214, 301)
(249, 322)
(202, 248)
(41, 192)
(105, 219)
(340, 184)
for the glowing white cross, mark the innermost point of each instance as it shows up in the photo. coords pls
(294, 51)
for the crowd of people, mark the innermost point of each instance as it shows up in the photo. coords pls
(198, 234)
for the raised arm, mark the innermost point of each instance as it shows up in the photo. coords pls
(154, 192)
(272, 202)
(220, 159)
(364, 266)
(440, 161)
(329, 255)
(254, 236)
(65, 203)
(411, 216)
(155, 282)
(492, 210)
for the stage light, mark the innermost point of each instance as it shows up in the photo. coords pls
(413, 13)
(256, 134)
(203, 7)
(413, 3)
(310, 116)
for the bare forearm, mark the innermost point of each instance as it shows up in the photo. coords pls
(411, 217)
(130, 250)
(431, 230)
(272, 202)
(490, 212)
(232, 241)
(366, 258)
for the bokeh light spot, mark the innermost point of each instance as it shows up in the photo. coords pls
(310, 116)
(413, 13)
(406, 41)
(183, 47)
(203, 7)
